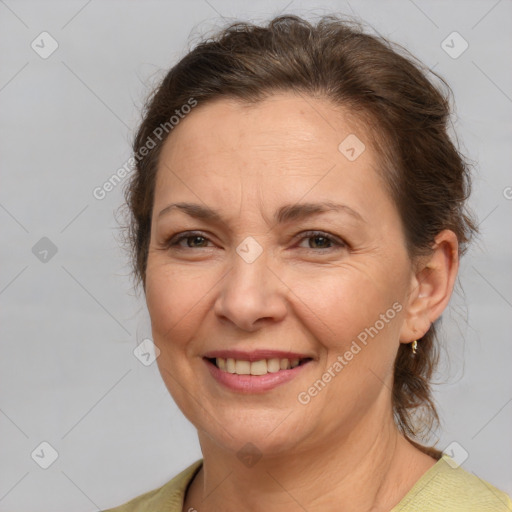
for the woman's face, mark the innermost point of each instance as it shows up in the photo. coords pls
(294, 249)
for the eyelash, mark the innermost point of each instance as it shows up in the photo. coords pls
(334, 241)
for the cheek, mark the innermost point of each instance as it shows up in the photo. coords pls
(339, 303)
(174, 297)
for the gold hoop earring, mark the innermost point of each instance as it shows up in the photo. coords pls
(414, 346)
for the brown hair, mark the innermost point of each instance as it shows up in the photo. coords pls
(405, 115)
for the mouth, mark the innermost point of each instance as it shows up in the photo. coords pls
(256, 367)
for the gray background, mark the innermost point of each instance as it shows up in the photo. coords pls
(69, 325)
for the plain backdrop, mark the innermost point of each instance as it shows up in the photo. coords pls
(70, 320)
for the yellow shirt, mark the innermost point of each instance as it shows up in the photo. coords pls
(443, 488)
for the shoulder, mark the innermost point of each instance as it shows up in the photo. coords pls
(167, 498)
(448, 487)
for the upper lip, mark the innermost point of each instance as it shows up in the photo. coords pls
(255, 355)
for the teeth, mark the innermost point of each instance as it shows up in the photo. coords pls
(243, 367)
(230, 365)
(273, 365)
(261, 367)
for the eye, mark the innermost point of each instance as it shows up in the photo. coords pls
(321, 240)
(194, 239)
(317, 241)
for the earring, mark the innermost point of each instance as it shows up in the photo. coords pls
(414, 346)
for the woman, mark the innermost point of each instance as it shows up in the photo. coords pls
(297, 218)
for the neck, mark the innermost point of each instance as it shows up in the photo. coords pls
(370, 469)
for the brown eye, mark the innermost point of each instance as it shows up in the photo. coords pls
(193, 240)
(321, 241)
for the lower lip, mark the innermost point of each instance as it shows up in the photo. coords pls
(253, 383)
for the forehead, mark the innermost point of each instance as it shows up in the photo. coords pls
(280, 127)
(284, 145)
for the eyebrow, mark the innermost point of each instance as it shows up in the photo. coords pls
(284, 214)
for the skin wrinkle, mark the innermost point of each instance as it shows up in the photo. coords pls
(343, 447)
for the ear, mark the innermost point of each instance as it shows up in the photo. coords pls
(431, 286)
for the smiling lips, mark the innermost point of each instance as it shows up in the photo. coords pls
(260, 367)
(254, 371)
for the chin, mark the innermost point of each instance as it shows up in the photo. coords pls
(255, 434)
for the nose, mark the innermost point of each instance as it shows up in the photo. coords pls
(251, 295)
